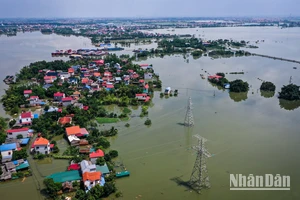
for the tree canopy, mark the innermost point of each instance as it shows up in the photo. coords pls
(290, 92)
(268, 86)
(239, 86)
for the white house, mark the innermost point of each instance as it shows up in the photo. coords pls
(142, 96)
(13, 133)
(64, 75)
(27, 93)
(41, 145)
(148, 76)
(58, 96)
(26, 118)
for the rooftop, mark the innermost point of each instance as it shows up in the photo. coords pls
(26, 115)
(27, 91)
(73, 130)
(40, 141)
(17, 130)
(97, 154)
(91, 176)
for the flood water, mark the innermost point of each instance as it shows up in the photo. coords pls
(249, 133)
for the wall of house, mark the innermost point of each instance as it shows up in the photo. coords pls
(67, 103)
(93, 160)
(25, 120)
(14, 135)
(44, 149)
(58, 98)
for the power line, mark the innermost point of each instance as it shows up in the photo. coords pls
(189, 118)
(199, 177)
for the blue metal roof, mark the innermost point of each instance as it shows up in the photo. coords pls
(103, 169)
(35, 116)
(24, 141)
(7, 147)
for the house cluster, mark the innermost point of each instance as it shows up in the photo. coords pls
(86, 171)
(16, 140)
(217, 78)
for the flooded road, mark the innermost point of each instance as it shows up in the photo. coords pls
(249, 133)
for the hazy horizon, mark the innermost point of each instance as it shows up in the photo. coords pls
(147, 8)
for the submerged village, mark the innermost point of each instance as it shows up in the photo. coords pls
(66, 100)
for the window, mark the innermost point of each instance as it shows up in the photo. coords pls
(37, 147)
(45, 147)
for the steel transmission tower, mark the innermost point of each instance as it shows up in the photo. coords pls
(199, 178)
(189, 119)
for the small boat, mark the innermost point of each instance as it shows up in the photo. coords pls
(294, 67)
(122, 174)
(202, 76)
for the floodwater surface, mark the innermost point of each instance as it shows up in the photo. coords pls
(249, 133)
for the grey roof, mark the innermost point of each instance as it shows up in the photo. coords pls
(87, 166)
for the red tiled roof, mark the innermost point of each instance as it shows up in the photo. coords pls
(147, 99)
(91, 176)
(17, 130)
(99, 62)
(59, 94)
(130, 71)
(85, 107)
(141, 80)
(51, 146)
(144, 65)
(27, 91)
(140, 95)
(85, 80)
(146, 86)
(67, 99)
(26, 115)
(71, 70)
(34, 97)
(97, 154)
(110, 86)
(74, 166)
(97, 74)
(65, 120)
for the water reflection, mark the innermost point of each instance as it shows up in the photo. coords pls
(289, 105)
(267, 94)
(237, 97)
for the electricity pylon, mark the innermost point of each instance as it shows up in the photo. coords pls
(199, 177)
(189, 119)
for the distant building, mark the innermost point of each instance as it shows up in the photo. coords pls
(148, 76)
(67, 101)
(27, 93)
(26, 118)
(58, 96)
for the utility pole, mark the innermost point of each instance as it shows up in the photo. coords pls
(290, 80)
(199, 179)
(189, 119)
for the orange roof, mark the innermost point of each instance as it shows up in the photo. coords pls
(65, 120)
(70, 70)
(73, 130)
(91, 176)
(97, 74)
(85, 80)
(41, 141)
(76, 92)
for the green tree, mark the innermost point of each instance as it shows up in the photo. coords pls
(268, 86)
(21, 154)
(12, 123)
(109, 188)
(100, 161)
(290, 92)
(113, 153)
(51, 187)
(148, 122)
(97, 192)
(239, 86)
(19, 136)
(80, 194)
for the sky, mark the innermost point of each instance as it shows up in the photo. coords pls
(147, 8)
